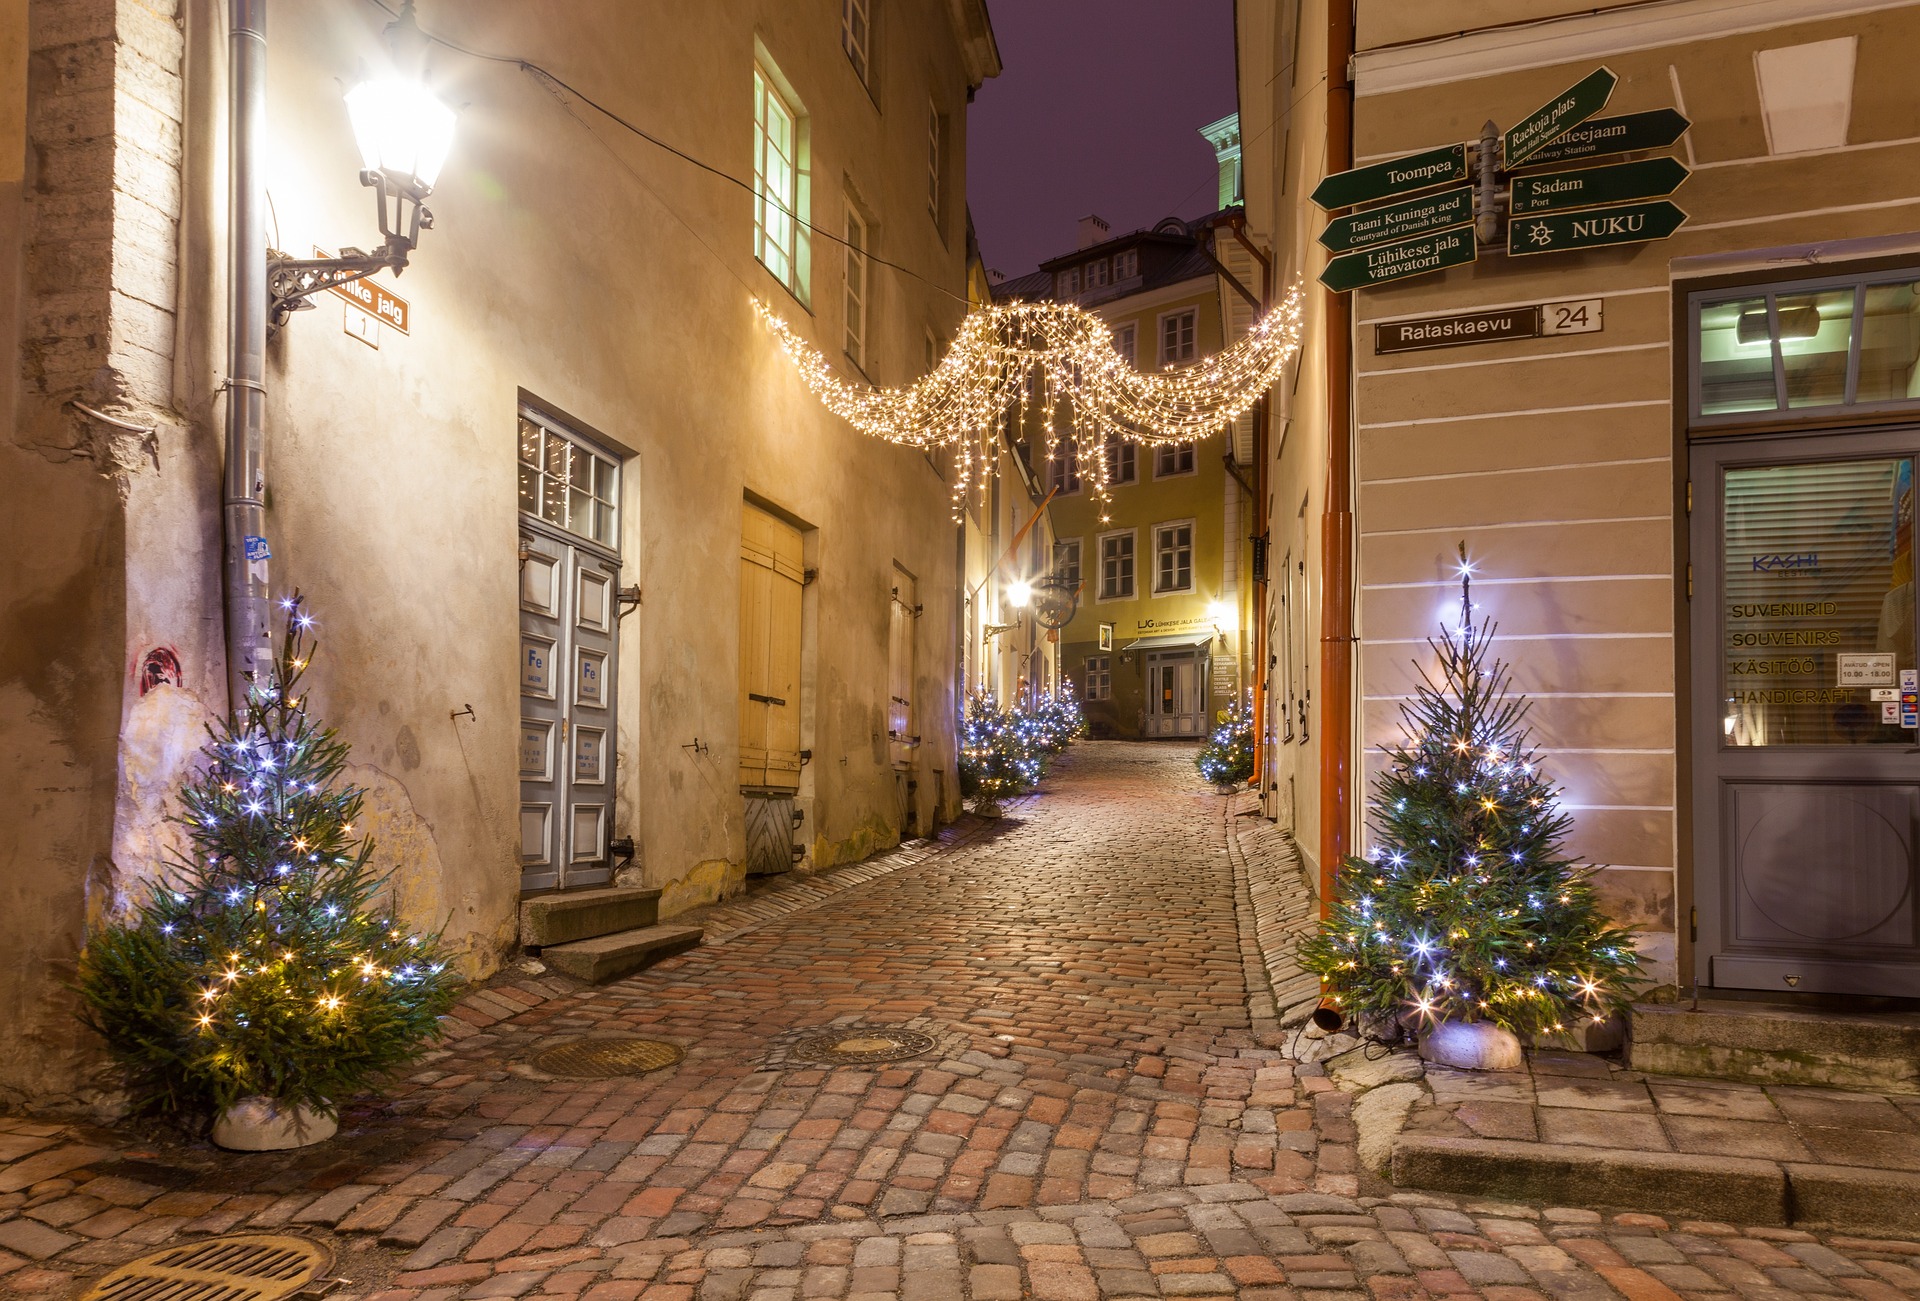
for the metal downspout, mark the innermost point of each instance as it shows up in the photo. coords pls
(248, 604)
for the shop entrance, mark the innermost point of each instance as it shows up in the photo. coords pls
(1176, 697)
(1806, 778)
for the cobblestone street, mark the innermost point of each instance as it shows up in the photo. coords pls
(1099, 1117)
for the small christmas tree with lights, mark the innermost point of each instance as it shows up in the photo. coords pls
(268, 961)
(1466, 908)
(1227, 756)
(998, 758)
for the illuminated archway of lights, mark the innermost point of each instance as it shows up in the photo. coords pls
(1026, 360)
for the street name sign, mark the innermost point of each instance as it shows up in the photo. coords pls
(1599, 136)
(1558, 232)
(1422, 171)
(1396, 221)
(1590, 186)
(376, 300)
(1390, 262)
(1561, 114)
(1530, 321)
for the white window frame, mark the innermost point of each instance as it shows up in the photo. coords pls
(1188, 348)
(1063, 468)
(1161, 549)
(1126, 341)
(1133, 566)
(1098, 273)
(859, 237)
(1165, 450)
(780, 184)
(1066, 284)
(1126, 264)
(1073, 571)
(856, 37)
(1121, 453)
(1097, 674)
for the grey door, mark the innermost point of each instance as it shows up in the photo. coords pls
(1806, 783)
(1175, 696)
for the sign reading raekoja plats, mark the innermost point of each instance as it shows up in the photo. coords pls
(1417, 232)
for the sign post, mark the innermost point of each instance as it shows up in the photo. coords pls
(1600, 136)
(1559, 232)
(1590, 186)
(1422, 171)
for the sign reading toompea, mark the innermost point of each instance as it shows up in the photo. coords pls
(1422, 171)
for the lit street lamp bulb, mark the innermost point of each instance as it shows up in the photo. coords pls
(1019, 593)
(401, 128)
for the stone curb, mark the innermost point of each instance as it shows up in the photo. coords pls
(1887, 1200)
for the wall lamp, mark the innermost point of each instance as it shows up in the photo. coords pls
(404, 134)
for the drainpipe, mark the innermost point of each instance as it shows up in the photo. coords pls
(248, 606)
(1336, 519)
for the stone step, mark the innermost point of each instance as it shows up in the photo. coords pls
(1765, 1043)
(609, 957)
(582, 914)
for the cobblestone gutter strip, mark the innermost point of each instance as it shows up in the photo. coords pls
(1276, 907)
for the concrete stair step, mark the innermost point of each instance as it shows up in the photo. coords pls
(582, 914)
(609, 957)
(1765, 1043)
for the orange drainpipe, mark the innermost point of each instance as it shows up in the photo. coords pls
(1336, 519)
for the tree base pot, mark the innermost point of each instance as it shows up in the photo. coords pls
(260, 1124)
(988, 808)
(1471, 1046)
(1226, 788)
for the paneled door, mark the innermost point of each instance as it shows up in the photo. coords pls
(569, 646)
(1174, 697)
(1806, 779)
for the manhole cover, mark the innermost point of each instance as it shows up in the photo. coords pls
(250, 1267)
(600, 1059)
(861, 1046)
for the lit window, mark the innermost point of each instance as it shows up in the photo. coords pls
(1116, 566)
(777, 181)
(1171, 459)
(1122, 466)
(1099, 677)
(1176, 337)
(856, 288)
(853, 34)
(567, 483)
(1066, 561)
(1173, 558)
(1123, 341)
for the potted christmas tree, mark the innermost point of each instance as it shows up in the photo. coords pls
(997, 756)
(1466, 919)
(1226, 759)
(265, 979)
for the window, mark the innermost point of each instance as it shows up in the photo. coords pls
(1097, 273)
(933, 161)
(856, 288)
(1173, 557)
(1116, 566)
(1066, 283)
(1170, 459)
(1126, 265)
(1123, 341)
(1176, 337)
(1122, 467)
(1066, 561)
(1099, 677)
(778, 185)
(853, 34)
(565, 482)
(1063, 468)
(931, 352)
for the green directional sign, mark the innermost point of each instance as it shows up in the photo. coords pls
(1422, 171)
(1615, 183)
(1390, 262)
(1396, 221)
(1561, 114)
(1559, 232)
(1599, 136)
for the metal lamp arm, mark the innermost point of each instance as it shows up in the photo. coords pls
(291, 282)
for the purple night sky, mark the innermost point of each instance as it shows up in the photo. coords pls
(1098, 111)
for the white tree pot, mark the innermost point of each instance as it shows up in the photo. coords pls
(261, 1124)
(1471, 1046)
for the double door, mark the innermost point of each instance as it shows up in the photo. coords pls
(568, 668)
(1806, 774)
(1176, 703)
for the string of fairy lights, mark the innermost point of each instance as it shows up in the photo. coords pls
(1021, 361)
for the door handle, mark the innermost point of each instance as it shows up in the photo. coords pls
(765, 700)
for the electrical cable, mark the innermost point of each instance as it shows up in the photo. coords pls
(540, 73)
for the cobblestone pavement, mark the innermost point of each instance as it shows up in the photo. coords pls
(1099, 1117)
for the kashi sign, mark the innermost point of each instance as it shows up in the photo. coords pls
(377, 301)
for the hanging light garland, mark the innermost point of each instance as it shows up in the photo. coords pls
(1019, 359)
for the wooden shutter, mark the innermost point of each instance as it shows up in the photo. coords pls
(771, 577)
(900, 669)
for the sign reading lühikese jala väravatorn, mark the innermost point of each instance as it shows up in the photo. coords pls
(1389, 262)
(1422, 171)
(1403, 220)
(1588, 187)
(1559, 115)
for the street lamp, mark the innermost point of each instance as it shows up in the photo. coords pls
(404, 134)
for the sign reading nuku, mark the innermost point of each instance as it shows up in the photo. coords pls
(1561, 114)
(1557, 232)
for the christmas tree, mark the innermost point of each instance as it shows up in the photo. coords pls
(1466, 907)
(999, 757)
(1227, 756)
(267, 961)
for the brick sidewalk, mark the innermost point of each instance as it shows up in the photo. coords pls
(1099, 1118)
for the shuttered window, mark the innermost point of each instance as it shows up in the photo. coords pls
(771, 578)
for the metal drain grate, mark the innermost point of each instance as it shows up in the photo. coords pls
(861, 1046)
(249, 1267)
(601, 1059)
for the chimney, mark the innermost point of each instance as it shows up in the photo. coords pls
(1093, 230)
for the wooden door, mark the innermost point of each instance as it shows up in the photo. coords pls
(771, 578)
